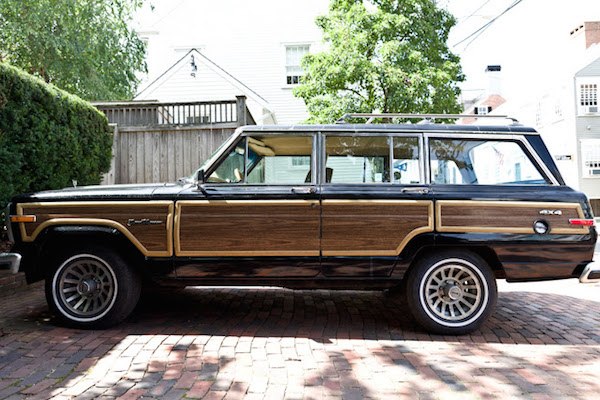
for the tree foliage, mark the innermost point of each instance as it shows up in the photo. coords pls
(48, 137)
(85, 47)
(382, 56)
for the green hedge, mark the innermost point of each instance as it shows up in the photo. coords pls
(48, 137)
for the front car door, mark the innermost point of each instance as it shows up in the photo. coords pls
(257, 214)
(374, 201)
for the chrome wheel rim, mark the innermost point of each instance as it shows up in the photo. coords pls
(453, 292)
(84, 288)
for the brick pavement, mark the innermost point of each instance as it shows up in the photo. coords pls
(543, 342)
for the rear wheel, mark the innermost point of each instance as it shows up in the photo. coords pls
(451, 292)
(92, 288)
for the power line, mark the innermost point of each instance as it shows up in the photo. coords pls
(473, 13)
(479, 31)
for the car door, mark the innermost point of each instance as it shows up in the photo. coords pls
(256, 215)
(374, 201)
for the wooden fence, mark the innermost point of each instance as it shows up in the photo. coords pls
(158, 152)
(145, 155)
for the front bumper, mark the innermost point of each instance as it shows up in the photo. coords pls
(12, 259)
(591, 273)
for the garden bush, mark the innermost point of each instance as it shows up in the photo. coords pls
(48, 137)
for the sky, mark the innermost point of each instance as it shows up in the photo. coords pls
(531, 41)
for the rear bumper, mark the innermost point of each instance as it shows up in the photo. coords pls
(13, 260)
(591, 273)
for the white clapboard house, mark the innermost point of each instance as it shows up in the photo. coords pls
(201, 50)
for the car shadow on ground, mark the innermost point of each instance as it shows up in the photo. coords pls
(322, 315)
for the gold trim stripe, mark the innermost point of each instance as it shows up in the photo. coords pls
(101, 221)
(509, 204)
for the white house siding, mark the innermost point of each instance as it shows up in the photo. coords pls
(588, 131)
(246, 39)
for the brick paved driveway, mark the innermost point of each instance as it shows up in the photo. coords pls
(542, 342)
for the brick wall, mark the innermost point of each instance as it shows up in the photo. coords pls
(592, 33)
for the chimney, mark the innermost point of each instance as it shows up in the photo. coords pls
(592, 33)
(493, 73)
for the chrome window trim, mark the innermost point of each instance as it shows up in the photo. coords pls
(535, 158)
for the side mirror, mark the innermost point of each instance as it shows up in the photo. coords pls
(201, 178)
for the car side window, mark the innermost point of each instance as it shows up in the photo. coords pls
(357, 159)
(483, 162)
(372, 159)
(270, 159)
(279, 159)
(406, 166)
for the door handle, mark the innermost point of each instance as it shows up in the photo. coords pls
(420, 190)
(304, 190)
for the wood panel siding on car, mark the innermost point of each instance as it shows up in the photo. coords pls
(153, 239)
(372, 227)
(208, 228)
(506, 216)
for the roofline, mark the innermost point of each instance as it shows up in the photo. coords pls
(262, 99)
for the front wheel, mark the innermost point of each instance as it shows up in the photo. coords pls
(451, 292)
(92, 288)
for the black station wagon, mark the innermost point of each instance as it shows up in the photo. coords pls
(437, 210)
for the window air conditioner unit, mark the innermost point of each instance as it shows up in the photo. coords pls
(590, 109)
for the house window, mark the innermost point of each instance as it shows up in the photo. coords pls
(590, 154)
(300, 161)
(483, 110)
(588, 94)
(293, 68)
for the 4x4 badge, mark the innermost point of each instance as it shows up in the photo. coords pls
(551, 212)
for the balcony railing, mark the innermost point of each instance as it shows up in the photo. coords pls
(136, 113)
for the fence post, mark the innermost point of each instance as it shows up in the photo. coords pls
(241, 110)
(110, 177)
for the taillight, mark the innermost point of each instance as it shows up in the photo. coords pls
(584, 222)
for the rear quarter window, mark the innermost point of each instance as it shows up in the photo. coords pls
(483, 162)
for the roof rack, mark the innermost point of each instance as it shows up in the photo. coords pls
(427, 117)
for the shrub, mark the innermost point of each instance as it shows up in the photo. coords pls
(48, 137)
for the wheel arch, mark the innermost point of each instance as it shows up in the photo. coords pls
(51, 245)
(487, 253)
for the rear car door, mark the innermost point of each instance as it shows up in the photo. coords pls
(374, 200)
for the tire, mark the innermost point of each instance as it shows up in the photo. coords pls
(451, 292)
(92, 288)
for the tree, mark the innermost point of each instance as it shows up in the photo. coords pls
(85, 47)
(48, 137)
(383, 56)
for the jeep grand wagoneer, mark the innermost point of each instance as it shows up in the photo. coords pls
(440, 211)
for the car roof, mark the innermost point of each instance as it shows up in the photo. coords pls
(387, 128)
